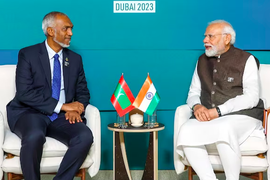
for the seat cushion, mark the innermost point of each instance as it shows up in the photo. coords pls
(53, 152)
(51, 148)
(47, 165)
(252, 146)
(249, 164)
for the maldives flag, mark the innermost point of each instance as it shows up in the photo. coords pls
(147, 99)
(122, 98)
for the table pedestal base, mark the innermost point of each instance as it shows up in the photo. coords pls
(151, 164)
(121, 168)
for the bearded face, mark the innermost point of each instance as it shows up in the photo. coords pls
(215, 40)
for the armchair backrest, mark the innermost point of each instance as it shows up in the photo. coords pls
(7, 88)
(265, 84)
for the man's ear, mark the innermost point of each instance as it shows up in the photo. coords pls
(228, 39)
(50, 31)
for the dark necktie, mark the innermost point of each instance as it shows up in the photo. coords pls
(56, 84)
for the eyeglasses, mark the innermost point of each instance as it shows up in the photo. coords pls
(213, 36)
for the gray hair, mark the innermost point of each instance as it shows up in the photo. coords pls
(228, 29)
(48, 20)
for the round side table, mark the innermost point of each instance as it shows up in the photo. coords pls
(120, 162)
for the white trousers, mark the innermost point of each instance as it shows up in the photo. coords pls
(199, 161)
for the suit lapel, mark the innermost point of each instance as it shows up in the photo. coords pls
(44, 58)
(66, 69)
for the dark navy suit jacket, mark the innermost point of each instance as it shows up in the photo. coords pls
(33, 82)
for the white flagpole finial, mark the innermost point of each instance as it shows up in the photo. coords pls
(122, 74)
(148, 73)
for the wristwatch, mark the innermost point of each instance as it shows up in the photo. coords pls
(218, 111)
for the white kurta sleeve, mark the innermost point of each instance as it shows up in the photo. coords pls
(251, 89)
(194, 90)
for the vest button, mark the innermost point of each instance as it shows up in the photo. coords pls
(213, 92)
(213, 105)
(218, 60)
(215, 70)
(214, 83)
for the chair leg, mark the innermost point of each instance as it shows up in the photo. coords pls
(83, 174)
(260, 174)
(12, 176)
(190, 173)
(9, 176)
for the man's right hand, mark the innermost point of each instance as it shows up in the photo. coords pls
(74, 106)
(201, 113)
(73, 117)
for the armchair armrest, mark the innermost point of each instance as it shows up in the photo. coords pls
(2, 136)
(92, 116)
(182, 114)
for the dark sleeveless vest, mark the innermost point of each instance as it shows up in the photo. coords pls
(221, 79)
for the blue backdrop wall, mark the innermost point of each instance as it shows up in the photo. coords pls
(166, 44)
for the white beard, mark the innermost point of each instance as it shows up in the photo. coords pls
(212, 52)
(61, 44)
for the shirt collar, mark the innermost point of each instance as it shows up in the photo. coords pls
(51, 52)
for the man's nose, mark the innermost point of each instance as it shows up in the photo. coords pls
(70, 32)
(206, 39)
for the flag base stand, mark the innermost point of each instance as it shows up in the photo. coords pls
(120, 126)
(151, 125)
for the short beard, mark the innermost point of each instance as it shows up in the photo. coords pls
(212, 52)
(61, 44)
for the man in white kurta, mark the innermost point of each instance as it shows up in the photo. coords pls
(224, 97)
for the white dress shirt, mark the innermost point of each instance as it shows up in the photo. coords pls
(62, 97)
(247, 100)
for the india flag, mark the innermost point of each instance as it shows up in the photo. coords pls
(147, 99)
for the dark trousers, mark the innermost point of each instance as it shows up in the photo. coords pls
(32, 127)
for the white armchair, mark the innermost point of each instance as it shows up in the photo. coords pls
(53, 150)
(255, 157)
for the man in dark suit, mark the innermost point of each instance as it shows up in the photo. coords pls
(50, 100)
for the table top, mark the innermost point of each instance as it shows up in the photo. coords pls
(131, 129)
